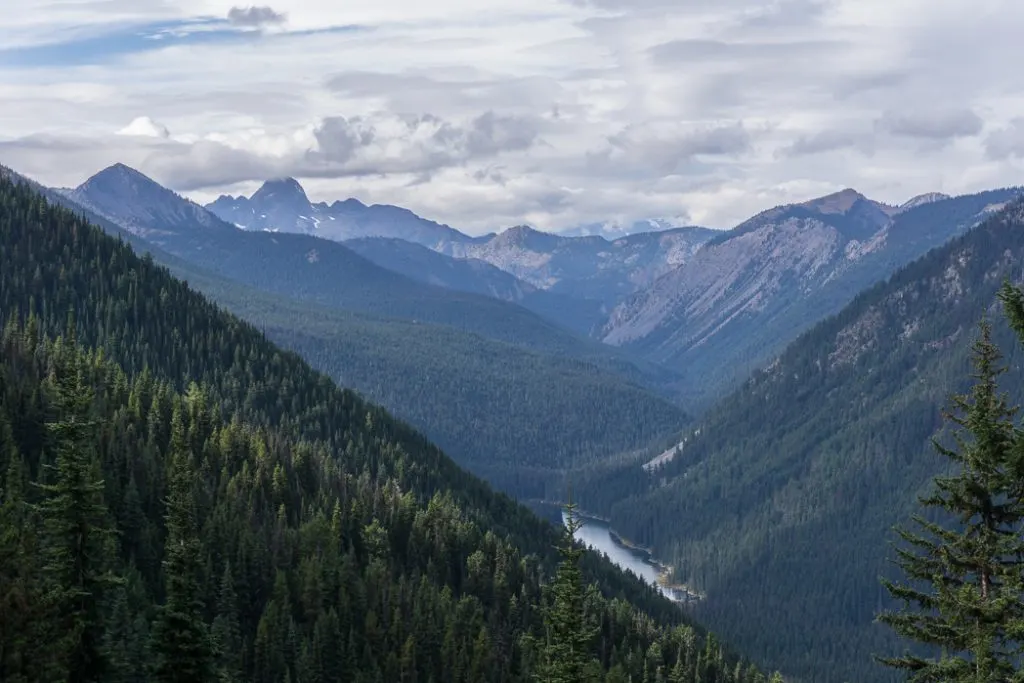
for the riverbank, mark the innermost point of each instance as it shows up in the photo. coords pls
(654, 571)
(680, 591)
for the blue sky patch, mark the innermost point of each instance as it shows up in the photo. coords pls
(111, 46)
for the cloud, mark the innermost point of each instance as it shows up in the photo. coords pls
(482, 115)
(335, 147)
(699, 49)
(339, 139)
(143, 126)
(871, 82)
(254, 16)
(1006, 142)
(670, 148)
(786, 14)
(414, 144)
(827, 141)
(931, 124)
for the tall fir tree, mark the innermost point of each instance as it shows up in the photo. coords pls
(567, 652)
(181, 640)
(77, 531)
(20, 615)
(226, 632)
(963, 595)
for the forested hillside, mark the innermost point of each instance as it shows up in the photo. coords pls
(576, 313)
(781, 501)
(462, 390)
(514, 417)
(209, 507)
(316, 270)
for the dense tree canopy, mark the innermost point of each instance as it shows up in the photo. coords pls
(964, 572)
(781, 502)
(256, 522)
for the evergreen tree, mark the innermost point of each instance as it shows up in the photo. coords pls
(19, 586)
(964, 590)
(249, 476)
(126, 639)
(227, 636)
(181, 641)
(569, 638)
(76, 528)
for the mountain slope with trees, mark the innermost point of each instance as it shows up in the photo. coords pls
(582, 315)
(493, 406)
(962, 596)
(752, 290)
(211, 508)
(316, 270)
(780, 502)
(584, 267)
(515, 417)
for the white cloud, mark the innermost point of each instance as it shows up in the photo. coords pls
(507, 111)
(143, 126)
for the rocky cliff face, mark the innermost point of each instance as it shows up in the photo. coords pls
(281, 205)
(586, 267)
(748, 292)
(777, 257)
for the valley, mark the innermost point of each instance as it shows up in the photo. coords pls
(210, 462)
(539, 361)
(585, 341)
(791, 486)
(596, 534)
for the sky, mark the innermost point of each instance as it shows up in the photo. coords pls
(553, 113)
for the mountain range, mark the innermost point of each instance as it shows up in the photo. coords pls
(472, 371)
(585, 267)
(281, 205)
(583, 315)
(709, 306)
(753, 405)
(750, 291)
(307, 267)
(692, 311)
(237, 516)
(780, 502)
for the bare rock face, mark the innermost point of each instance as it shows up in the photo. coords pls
(747, 292)
(782, 254)
(922, 199)
(590, 267)
(592, 263)
(281, 205)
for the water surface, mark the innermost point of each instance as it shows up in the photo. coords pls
(597, 535)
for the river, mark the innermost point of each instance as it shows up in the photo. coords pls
(597, 535)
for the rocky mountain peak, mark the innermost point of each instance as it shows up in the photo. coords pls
(120, 178)
(921, 199)
(140, 204)
(350, 204)
(838, 202)
(517, 234)
(286, 191)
